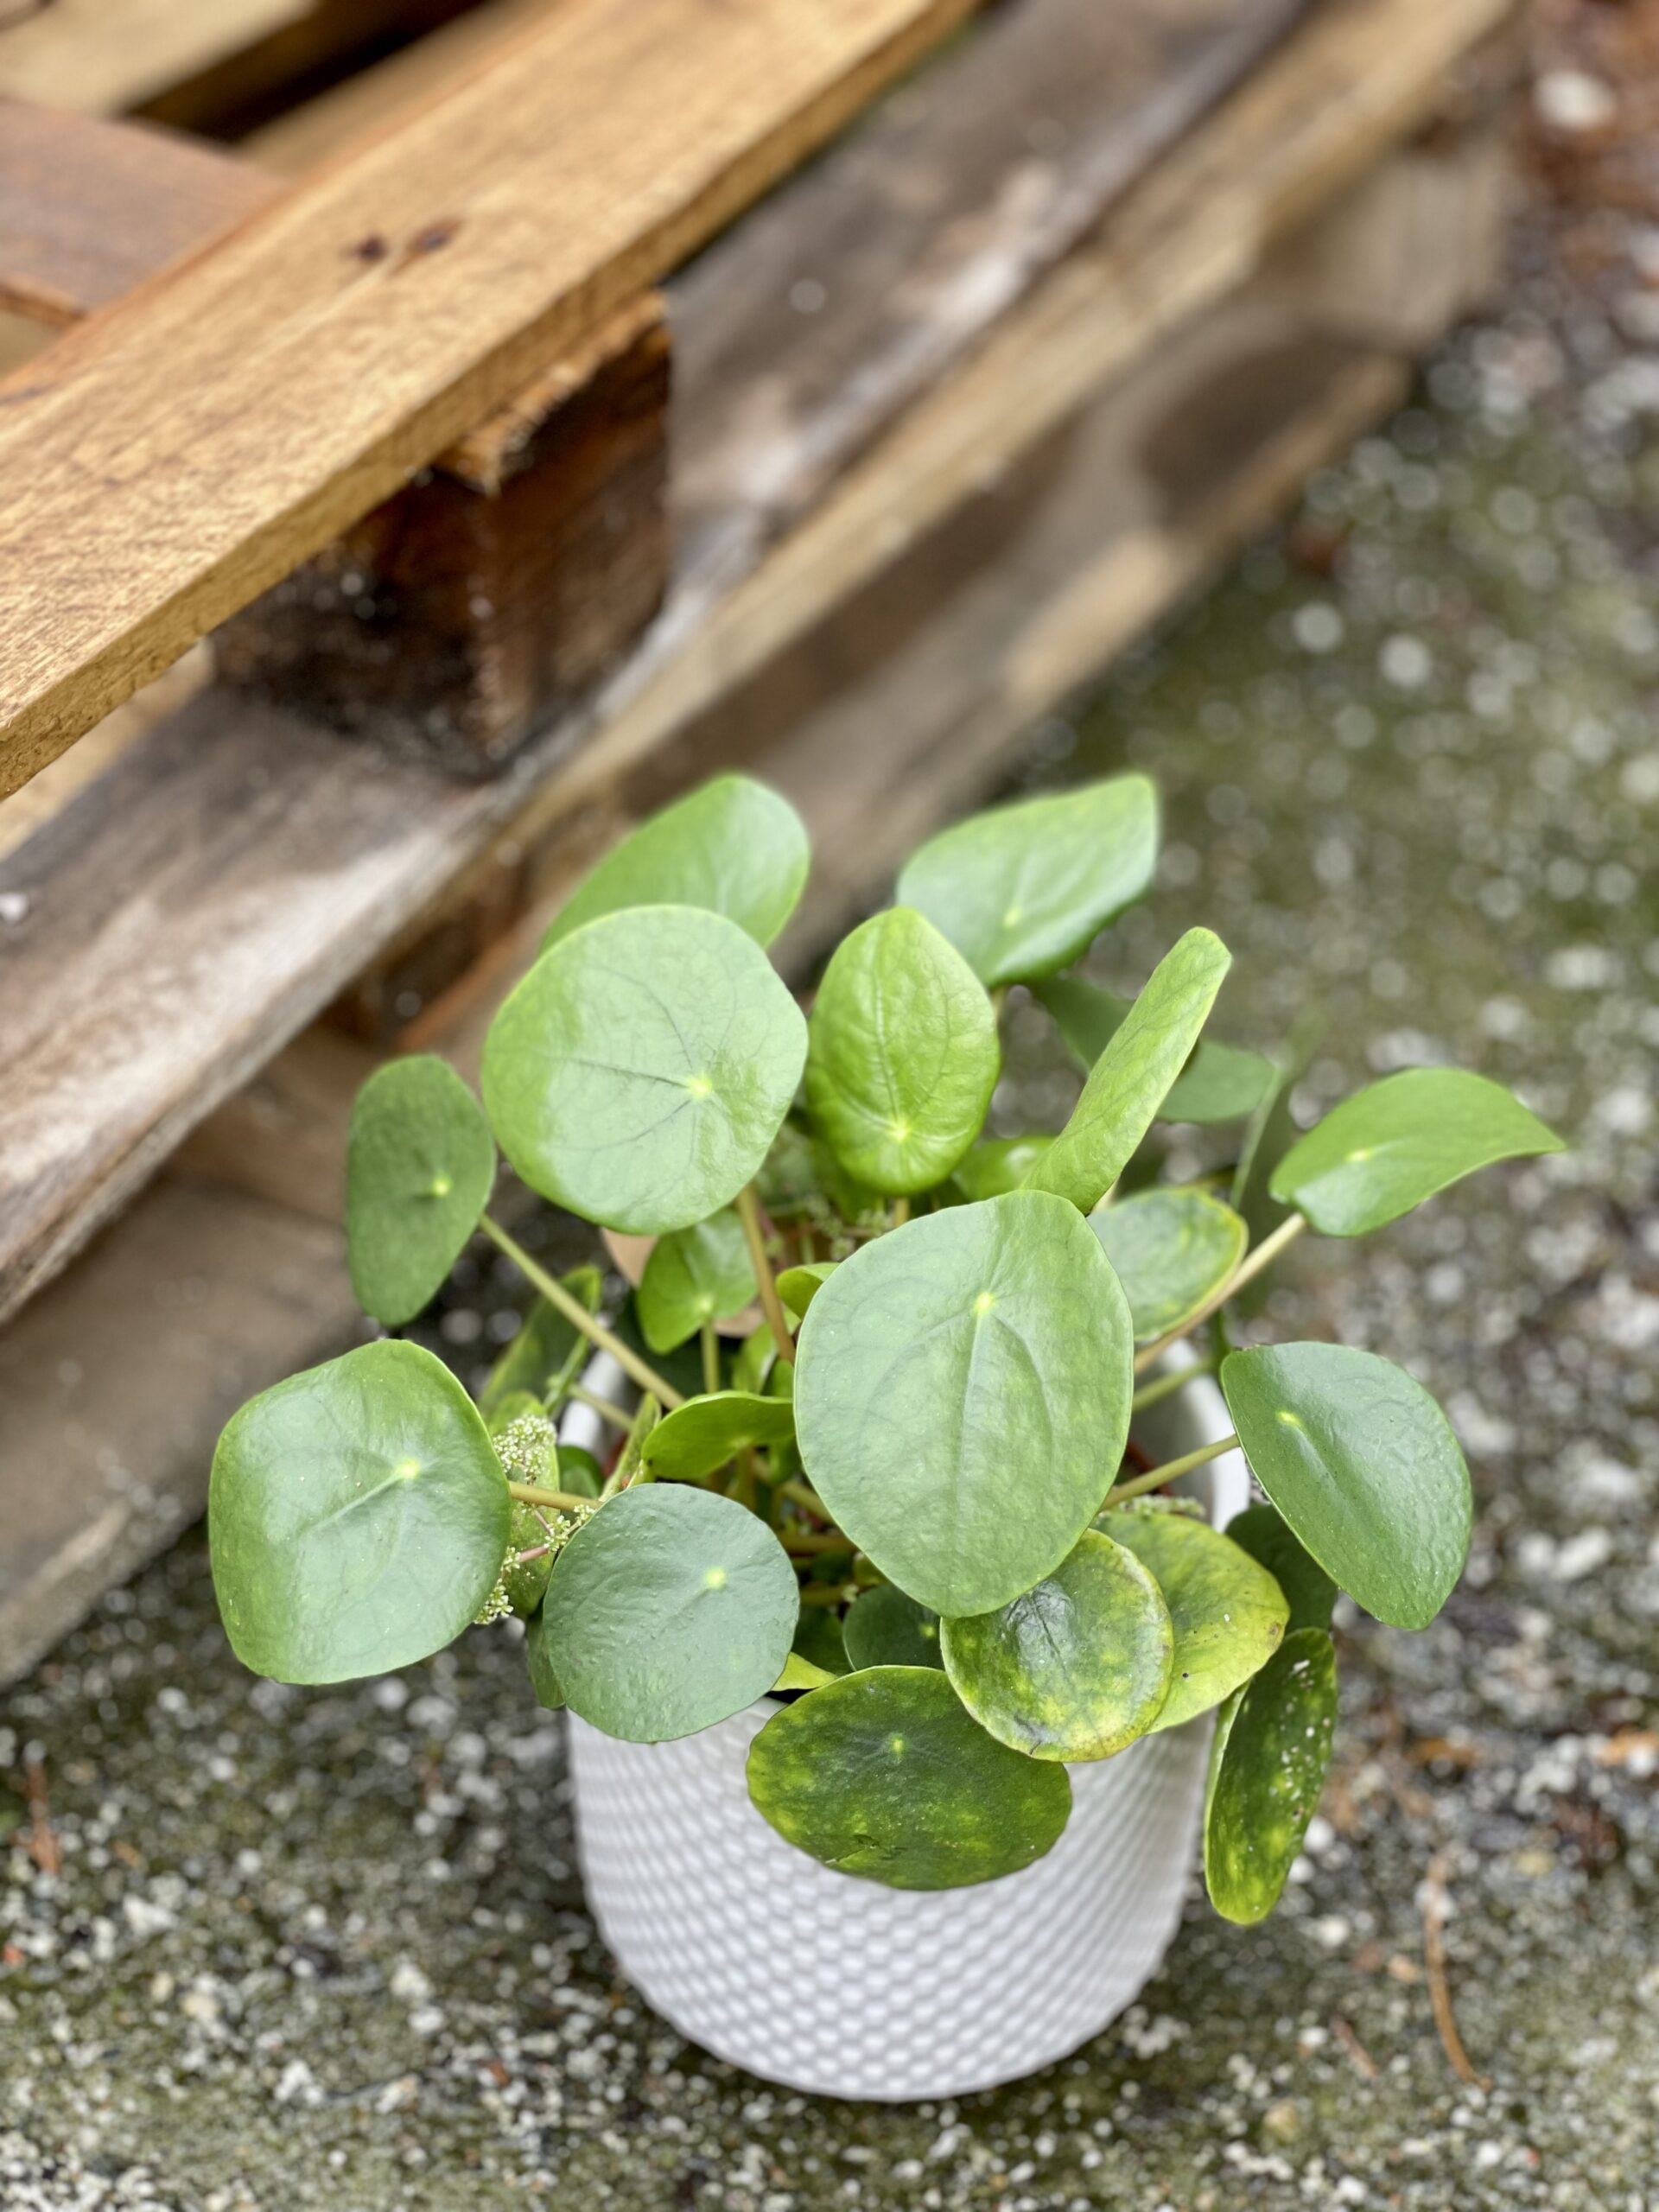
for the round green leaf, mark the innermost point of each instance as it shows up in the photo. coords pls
(697, 1275)
(1363, 1465)
(902, 1055)
(1397, 1142)
(882, 1774)
(705, 1433)
(357, 1517)
(1024, 890)
(885, 1629)
(1219, 1083)
(579, 1471)
(1127, 1084)
(818, 1639)
(1228, 1612)
(640, 1072)
(549, 1352)
(999, 1165)
(670, 1610)
(962, 1396)
(544, 1685)
(731, 846)
(419, 1163)
(1309, 1591)
(1171, 1249)
(1266, 1767)
(1076, 1667)
(798, 1287)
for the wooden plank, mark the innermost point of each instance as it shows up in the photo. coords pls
(87, 209)
(238, 868)
(489, 596)
(318, 127)
(189, 447)
(100, 56)
(228, 1272)
(198, 64)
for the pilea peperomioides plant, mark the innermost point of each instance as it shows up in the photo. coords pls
(903, 1494)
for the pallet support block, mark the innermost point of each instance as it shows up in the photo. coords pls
(474, 606)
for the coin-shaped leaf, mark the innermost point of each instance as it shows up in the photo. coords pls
(1024, 890)
(1076, 1667)
(1266, 1767)
(1172, 1250)
(885, 1629)
(902, 1055)
(818, 1639)
(419, 1163)
(962, 1396)
(1218, 1083)
(357, 1517)
(1397, 1142)
(732, 846)
(544, 1685)
(1363, 1465)
(705, 1433)
(998, 1164)
(549, 1352)
(1228, 1612)
(640, 1072)
(883, 1774)
(1309, 1591)
(1127, 1084)
(697, 1275)
(798, 1287)
(670, 1610)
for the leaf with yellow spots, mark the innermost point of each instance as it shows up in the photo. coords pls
(962, 1396)
(670, 1610)
(883, 1774)
(1266, 1767)
(1362, 1466)
(1397, 1142)
(639, 1072)
(1074, 1668)
(357, 1517)
(902, 1054)
(1228, 1613)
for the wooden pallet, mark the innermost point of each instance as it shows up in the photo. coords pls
(1029, 396)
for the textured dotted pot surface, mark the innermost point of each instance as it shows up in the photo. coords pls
(892, 1994)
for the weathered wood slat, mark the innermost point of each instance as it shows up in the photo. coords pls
(238, 868)
(192, 63)
(182, 451)
(87, 209)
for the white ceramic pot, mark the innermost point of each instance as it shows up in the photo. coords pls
(828, 1983)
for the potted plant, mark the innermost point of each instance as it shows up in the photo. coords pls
(908, 1657)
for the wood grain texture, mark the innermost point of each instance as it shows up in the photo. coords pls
(197, 64)
(475, 606)
(88, 208)
(100, 56)
(226, 881)
(189, 447)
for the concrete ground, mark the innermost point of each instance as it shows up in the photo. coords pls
(275, 1948)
